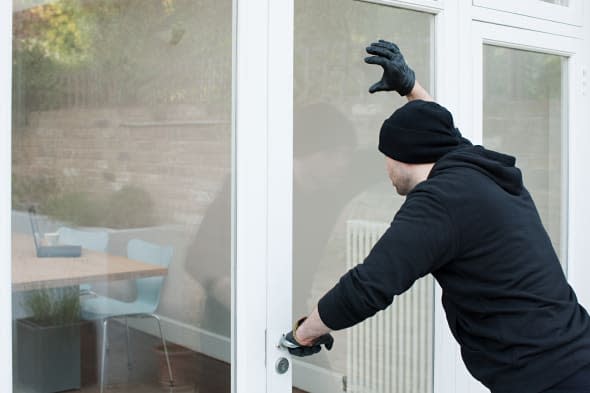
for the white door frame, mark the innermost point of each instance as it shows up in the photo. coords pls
(5, 196)
(263, 159)
(279, 173)
(448, 71)
(280, 189)
(250, 112)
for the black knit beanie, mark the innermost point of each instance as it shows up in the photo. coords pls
(419, 132)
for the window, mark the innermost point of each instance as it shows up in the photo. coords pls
(524, 115)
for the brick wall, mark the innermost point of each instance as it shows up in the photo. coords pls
(178, 154)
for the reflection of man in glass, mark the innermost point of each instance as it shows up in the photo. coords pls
(327, 174)
(469, 220)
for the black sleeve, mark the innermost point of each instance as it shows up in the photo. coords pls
(421, 239)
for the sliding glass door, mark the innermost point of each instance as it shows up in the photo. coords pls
(121, 195)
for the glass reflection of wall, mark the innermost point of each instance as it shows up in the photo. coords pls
(121, 121)
(339, 175)
(522, 115)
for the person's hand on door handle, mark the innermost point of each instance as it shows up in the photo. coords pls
(289, 341)
(397, 75)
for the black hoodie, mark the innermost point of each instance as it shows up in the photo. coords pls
(474, 226)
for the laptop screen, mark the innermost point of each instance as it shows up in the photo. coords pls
(34, 227)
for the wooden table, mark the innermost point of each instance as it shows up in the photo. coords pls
(31, 272)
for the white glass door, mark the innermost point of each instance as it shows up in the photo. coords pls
(342, 199)
(123, 144)
(129, 120)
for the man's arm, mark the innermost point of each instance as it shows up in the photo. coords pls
(311, 329)
(308, 336)
(418, 93)
(421, 239)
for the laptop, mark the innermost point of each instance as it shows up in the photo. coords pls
(57, 251)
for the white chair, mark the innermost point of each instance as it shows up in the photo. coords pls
(104, 308)
(91, 240)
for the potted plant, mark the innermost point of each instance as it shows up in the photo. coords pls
(183, 363)
(48, 341)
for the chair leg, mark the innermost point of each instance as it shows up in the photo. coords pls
(165, 348)
(127, 344)
(103, 353)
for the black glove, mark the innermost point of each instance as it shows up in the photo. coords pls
(397, 75)
(288, 341)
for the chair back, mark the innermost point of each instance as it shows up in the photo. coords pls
(91, 240)
(149, 289)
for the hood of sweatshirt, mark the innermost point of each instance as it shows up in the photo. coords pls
(497, 166)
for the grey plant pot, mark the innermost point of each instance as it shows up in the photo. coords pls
(48, 356)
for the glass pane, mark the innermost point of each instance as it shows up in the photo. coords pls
(122, 144)
(343, 199)
(523, 115)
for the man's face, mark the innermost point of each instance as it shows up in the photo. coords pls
(399, 174)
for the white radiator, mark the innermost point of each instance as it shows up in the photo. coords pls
(392, 352)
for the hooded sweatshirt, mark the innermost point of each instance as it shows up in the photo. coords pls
(475, 227)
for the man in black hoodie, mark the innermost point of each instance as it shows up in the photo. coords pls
(470, 222)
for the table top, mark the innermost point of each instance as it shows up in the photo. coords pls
(30, 272)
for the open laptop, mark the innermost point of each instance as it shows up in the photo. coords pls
(61, 250)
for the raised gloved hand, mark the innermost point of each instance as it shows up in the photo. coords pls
(289, 342)
(397, 76)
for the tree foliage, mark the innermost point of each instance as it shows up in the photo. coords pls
(122, 52)
(58, 31)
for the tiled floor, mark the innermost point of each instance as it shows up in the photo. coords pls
(207, 375)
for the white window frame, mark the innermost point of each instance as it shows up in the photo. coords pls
(430, 6)
(576, 144)
(508, 37)
(571, 14)
(473, 34)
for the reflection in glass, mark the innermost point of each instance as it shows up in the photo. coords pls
(558, 2)
(122, 143)
(523, 116)
(343, 199)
